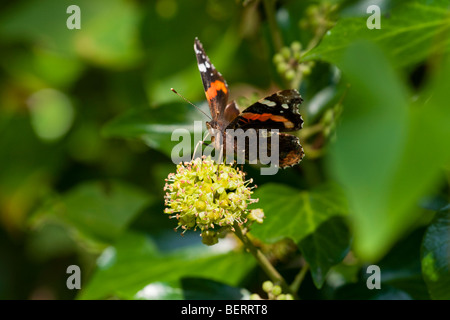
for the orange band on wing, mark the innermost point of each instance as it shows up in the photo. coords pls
(264, 117)
(278, 118)
(215, 87)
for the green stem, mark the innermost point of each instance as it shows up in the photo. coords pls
(316, 39)
(297, 81)
(269, 8)
(311, 130)
(299, 278)
(267, 267)
(318, 34)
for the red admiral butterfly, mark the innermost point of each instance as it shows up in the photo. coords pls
(278, 111)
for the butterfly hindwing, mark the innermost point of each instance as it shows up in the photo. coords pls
(290, 150)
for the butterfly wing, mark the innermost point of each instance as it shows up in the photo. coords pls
(216, 88)
(290, 151)
(278, 111)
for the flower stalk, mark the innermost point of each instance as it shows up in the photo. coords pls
(264, 263)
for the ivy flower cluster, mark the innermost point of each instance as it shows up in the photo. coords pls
(211, 197)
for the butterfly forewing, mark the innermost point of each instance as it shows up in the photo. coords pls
(216, 88)
(278, 111)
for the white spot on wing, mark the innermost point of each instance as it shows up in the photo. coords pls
(207, 64)
(268, 103)
(285, 106)
(202, 67)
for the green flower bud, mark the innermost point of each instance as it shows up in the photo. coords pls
(210, 237)
(200, 205)
(188, 221)
(214, 215)
(306, 69)
(278, 58)
(267, 286)
(290, 74)
(276, 290)
(296, 46)
(285, 52)
(255, 296)
(312, 10)
(282, 67)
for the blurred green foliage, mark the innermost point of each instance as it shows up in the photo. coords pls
(86, 118)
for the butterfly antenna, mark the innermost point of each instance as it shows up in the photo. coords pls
(174, 91)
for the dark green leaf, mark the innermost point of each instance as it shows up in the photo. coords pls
(436, 256)
(49, 241)
(400, 274)
(107, 37)
(159, 291)
(376, 152)
(155, 126)
(360, 292)
(412, 31)
(205, 289)
(295, 214)
(131, 268)
(187, 78)
(100, 211)
(400, 268)
(325, 247)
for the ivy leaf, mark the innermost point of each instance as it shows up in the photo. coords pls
(375, 156)
(400, 274)
(134, 268)
(400, 268)
(325, 247)
(157, 291)
(111, 45)
(295, 214)
(99, 211)
(155, 126)
(436, 256)
(205, 289)
(409, 33)
(359, 291)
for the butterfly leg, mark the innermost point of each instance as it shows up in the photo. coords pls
(196, 146)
